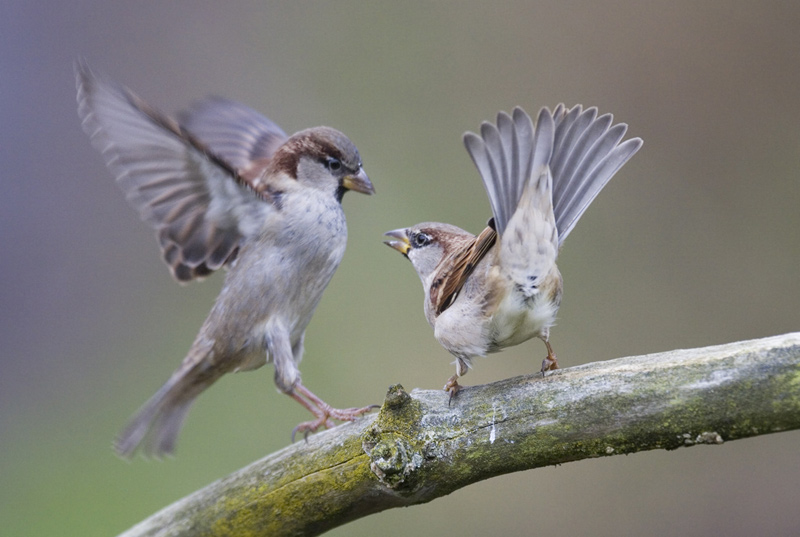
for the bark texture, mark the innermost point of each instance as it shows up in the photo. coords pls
(417, 447)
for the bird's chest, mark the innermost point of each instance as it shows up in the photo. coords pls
(311, 240)
(316, 241)
(282, 274)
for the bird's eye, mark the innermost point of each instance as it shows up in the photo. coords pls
(418, 240)
(333, 164)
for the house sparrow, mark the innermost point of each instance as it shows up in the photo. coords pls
(496, 290)
(225, 187)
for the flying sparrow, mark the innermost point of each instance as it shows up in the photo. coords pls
(496, 290)
(225, 187)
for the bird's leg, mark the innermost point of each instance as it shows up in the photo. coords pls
(550, 362)
(452, 386)
(322, 411)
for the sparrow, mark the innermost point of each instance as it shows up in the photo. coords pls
(223, 186)
(503, 287)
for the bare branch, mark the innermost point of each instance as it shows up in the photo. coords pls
(418, 448)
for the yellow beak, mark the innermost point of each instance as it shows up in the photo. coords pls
(359, 182)
(402, 245)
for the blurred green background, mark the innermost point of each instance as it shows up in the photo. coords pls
(694, 242)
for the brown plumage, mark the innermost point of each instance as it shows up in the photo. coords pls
(486, 293)
(224, 186)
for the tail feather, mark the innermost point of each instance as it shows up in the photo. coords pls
(580, 194)
(584, 149)
(507, 155)
(581, 149)
(164, 432)
(566, 137)
(577, 183)
(587, 155)
(154, 428)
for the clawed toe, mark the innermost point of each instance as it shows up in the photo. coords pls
(326, 415)
(349, 414)
(550, 363)
(308, 427)
(322, 411)
(452, 387)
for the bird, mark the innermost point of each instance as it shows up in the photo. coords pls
(498, 289)
(224, 186)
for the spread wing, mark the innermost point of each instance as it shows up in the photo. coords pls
(235, 132)
(192, 192)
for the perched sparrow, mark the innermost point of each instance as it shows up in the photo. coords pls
(226, 187)
(503, 287)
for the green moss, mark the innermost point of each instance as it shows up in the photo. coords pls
(259, 511)
(505, 427)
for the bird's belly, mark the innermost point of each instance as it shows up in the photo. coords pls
(515, 322)
(278, 284)
(458, 337)
(251, 359)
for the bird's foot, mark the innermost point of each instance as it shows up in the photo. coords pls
(550, 363)
(323, 412)
(452, 387)
(311, 426)
(349, 414)
(324, 417)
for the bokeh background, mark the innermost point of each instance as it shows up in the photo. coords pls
(694, 242)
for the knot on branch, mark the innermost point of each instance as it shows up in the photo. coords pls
(394, 456)
(393, 459)
(396, 397)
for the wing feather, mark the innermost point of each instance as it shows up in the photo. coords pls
(185, 188)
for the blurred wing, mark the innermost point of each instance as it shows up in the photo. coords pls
(507, 155)
(586, 155)
(235, 132)
(198, 202)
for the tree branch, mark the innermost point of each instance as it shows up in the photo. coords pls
(418, 448)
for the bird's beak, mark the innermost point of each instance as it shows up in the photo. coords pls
(358, 182)
(402, 245)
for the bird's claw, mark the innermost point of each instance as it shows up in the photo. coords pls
(308, 427)
(550, 363)
(452, 387)
(325, 417)
(349, 414)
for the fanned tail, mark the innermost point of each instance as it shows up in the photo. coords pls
(581, 150)
(587, 153)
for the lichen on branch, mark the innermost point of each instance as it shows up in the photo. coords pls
(419, 446)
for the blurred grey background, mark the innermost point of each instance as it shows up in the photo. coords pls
(694, 242)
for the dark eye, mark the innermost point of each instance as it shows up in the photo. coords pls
(418, 240)
(333, 164)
